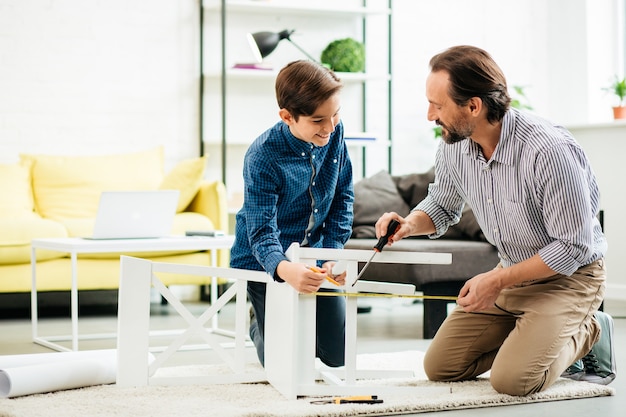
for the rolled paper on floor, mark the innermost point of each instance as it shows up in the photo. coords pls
(47, 372)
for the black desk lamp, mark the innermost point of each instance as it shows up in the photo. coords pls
(263, 43)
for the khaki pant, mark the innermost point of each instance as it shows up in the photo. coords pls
(536, 330)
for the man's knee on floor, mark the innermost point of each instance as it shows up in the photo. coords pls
(510, 383)
(439, 372)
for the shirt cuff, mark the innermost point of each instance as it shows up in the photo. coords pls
(271, 263)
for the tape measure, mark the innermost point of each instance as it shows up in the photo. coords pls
(382, 295)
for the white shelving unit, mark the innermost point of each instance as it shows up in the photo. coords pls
(237, 105)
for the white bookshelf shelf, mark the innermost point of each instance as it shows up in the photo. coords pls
(283, 7)
(239, 74)
(229, 92)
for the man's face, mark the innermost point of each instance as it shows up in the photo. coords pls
(317, 128)
(456, 123)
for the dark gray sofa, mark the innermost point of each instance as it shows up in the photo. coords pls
(471, 253)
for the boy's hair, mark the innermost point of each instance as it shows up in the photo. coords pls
(302, 86)
(473, 73)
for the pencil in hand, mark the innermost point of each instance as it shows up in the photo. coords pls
(328, 278)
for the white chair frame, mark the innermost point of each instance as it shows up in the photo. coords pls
(137, 276)
(290, 363)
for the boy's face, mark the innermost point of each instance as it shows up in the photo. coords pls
(315, 129)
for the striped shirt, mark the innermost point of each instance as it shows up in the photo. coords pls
(536, 195)
(294, 191)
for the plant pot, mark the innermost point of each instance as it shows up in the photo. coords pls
(619, 112)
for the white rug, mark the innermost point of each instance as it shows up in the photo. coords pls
(250, 400)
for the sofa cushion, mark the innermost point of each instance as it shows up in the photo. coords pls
(17, 199)
(191, 221)
(17, 232)
(69, 187)
(467, 228)
(414, 187)
(374, 196)
(186, 178)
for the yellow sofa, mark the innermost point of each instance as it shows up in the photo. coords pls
(48, 196)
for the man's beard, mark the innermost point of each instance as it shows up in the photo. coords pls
(457, 131)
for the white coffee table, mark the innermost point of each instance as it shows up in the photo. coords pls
(75, 246)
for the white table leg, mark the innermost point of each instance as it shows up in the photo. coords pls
(74, 302)
(214, 320)
(33, 292)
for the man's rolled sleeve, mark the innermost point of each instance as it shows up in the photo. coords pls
(440, 217)
(557, 256)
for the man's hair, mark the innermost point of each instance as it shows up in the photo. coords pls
(302, 86)
(473, 73)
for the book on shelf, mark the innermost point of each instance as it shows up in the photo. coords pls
(362, 136)
(253, 66)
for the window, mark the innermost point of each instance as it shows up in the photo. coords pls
(621, 36)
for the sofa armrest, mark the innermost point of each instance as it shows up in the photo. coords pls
(211, 201)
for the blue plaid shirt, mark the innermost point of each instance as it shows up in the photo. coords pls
(294, 192)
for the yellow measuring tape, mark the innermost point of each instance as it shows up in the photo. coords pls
(383, 295)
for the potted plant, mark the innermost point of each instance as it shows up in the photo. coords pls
(619, 89)
(344, 55)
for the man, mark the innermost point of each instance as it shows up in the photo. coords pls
(535, 197)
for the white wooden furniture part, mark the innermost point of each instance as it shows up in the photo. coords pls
(290, 361)
(137, 276)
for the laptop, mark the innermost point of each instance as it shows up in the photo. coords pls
(135, 214)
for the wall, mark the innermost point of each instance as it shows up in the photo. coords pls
(422, 29)
(89, 76)
(562, 51)
(605, 145)
(84, 76)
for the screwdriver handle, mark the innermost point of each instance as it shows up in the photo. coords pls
(392, 228)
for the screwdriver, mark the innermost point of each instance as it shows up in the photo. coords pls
(392, 228)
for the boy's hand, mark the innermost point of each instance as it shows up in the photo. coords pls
(328, 269)
(301, 277)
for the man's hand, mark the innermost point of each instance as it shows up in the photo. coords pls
(416, 223)
(383, 223)
(480, 292)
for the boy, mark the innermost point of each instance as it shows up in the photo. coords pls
(298, 188)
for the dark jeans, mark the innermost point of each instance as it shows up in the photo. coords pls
(330, 326)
